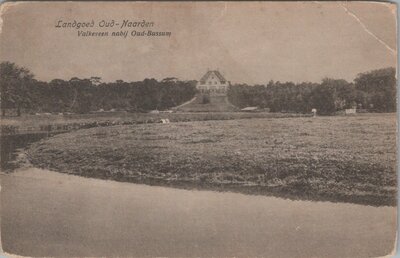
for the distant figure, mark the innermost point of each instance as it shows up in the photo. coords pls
(314, 111)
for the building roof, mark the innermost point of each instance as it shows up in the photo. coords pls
(249, 108)
(217, 73)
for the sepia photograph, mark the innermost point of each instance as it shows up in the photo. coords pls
(198, 129)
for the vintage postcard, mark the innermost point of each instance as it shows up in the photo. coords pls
(198, 129)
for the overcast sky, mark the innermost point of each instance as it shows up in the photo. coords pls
(248, 42)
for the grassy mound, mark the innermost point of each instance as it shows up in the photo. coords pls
(208, 103)
(349, 159)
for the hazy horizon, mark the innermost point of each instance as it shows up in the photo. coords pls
(249, 43)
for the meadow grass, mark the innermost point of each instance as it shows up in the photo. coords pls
(347, 159)
(132, 118)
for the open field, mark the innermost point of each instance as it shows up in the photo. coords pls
(28, 124)
(120, 117)
(350, 159)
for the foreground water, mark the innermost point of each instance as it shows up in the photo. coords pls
(44, 213)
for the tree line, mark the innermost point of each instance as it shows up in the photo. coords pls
(20, 91)
(373, 91)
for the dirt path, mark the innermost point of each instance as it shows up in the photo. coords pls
(45, 213)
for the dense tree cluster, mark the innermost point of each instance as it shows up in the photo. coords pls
(19, 90)
(373, 91)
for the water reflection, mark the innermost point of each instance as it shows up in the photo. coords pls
(9, 144)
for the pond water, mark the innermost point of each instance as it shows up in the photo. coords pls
(44, 213)
(9, 145)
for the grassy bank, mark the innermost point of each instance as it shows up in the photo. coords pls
(57, 123)
(131, 118)
(350, 159)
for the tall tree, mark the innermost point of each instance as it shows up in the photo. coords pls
(332, 95)
(380, 88)
(14, 81)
